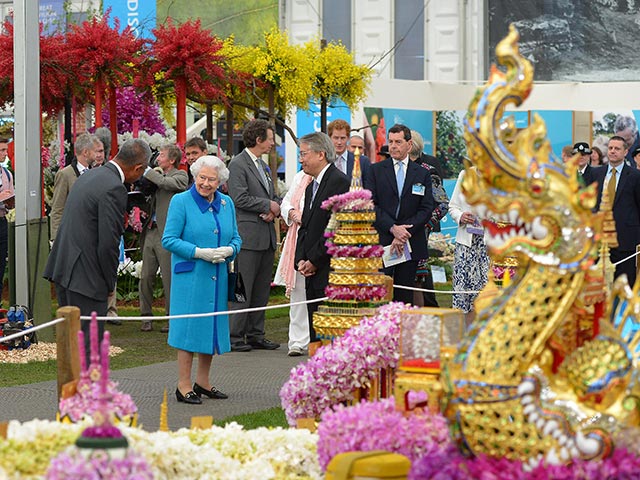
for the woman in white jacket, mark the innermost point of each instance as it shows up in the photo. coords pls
(291, 211)
(471, 261)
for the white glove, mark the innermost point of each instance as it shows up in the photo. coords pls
(206, 254)
(224, 252)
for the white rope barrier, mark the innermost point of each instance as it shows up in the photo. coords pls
(210, 314)
(625, 259)
(29, 330)
(448, 292)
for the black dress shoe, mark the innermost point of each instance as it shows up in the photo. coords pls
(240, 347)
(213, 393)
(264, 344)
(190, 397)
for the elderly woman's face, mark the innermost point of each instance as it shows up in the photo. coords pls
(207, 182)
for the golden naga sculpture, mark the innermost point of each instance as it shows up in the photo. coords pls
(506, 391)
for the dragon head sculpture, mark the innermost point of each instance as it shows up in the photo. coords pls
(532, 203)
(505, 394)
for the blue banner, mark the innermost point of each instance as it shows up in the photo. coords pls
(140, 15)
(51, 15)
(309, 121)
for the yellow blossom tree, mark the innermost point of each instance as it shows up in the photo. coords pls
(283, 78)
(337, 76)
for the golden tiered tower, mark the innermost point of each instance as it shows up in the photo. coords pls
(356, 287)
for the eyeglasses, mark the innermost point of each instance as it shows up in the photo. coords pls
(207, 179)
(304, 154)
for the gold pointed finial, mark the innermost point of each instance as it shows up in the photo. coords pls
(356, 178)
(164, 410)
(609, 234)
(506, 277)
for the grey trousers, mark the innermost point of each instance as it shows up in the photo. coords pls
(154, 256)
(255, 268)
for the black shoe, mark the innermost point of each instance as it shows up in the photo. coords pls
(115, 322)
(213, 393)
(264, 344)
(240, 347)
(190, 397)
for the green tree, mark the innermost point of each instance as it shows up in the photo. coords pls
(450, 145)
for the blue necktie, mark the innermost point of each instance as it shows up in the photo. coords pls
(399, 183)
(315, 190)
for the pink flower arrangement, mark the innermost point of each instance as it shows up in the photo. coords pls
(498, 272)
(135, 219)
(354, 251)
(85, 402)
(449, 464)
(45, 156)
(351, 201)
(337, 292)
(75, 465)
(337, 370)
(379, 426)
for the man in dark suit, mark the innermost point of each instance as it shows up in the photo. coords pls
(167, 180)
(401, 192)
(626, 204)
(257, 205)
(312, 260)
(338, 131)
(584, 151)
(83, 262)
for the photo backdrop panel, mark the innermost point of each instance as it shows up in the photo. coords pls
(381, 119)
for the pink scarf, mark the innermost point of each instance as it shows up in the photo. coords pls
(289, 249)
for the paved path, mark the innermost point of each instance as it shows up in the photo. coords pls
(252, 380)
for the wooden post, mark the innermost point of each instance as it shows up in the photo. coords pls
(323, 100)
(67, 345)
(180, 85)
(113, 121)
(98, 107)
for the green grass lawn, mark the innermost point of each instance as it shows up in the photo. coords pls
(146, 348)
(140, 348)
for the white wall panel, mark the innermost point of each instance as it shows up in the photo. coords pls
(443, 41)
(373, 34)
(303, 20)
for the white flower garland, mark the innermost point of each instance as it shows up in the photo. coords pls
(228, 452)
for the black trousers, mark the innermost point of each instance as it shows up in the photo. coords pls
(87, 306)
(311, 308)
(403, 274)
(4, 250)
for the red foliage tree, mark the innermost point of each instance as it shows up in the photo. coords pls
(189, 52)
(58, 70)
(108, 57)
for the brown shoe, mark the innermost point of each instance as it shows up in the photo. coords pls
(146, 326)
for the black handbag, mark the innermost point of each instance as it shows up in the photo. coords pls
(236, 292)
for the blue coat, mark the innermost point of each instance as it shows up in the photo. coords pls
(198, 286)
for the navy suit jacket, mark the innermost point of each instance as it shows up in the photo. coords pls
(416, 205)
(84, 257)
(626, 205)
(588, 175)
(365, 166)
(310, 245)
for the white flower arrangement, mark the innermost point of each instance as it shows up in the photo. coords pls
(155, 141)
(228, 452)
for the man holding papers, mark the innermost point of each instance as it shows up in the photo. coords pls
(404, 202)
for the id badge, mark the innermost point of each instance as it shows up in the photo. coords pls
(418, 189)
